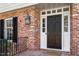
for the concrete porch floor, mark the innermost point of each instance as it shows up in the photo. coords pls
(39, 53)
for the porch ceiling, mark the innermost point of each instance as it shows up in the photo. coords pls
(11, 6)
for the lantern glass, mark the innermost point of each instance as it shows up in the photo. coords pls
(27, 20)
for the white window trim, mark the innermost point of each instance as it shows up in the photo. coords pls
(5, 27)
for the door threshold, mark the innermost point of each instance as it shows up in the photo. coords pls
(52, 49)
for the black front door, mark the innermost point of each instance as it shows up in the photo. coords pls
(54, 31)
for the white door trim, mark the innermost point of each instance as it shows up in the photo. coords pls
(45, 16)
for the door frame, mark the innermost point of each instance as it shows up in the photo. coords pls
(62, 36)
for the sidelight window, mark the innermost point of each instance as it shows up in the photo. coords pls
(43, 25)
(66, 23)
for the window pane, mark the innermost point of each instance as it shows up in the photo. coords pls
(66, 23)
(43, 25)
(53, 11)
(9, 29)
(43, 20)
(9, 33)
(59, 10)
(43, 13)
(9, 23)
(48, 12)
(66, 20)
(66, 9)
(66, 29)
(43, 29)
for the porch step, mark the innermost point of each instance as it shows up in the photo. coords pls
(40, 53)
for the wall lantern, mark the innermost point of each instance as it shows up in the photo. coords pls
(27, 20)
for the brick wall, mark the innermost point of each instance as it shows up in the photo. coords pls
(74, 29)
(28, 35)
